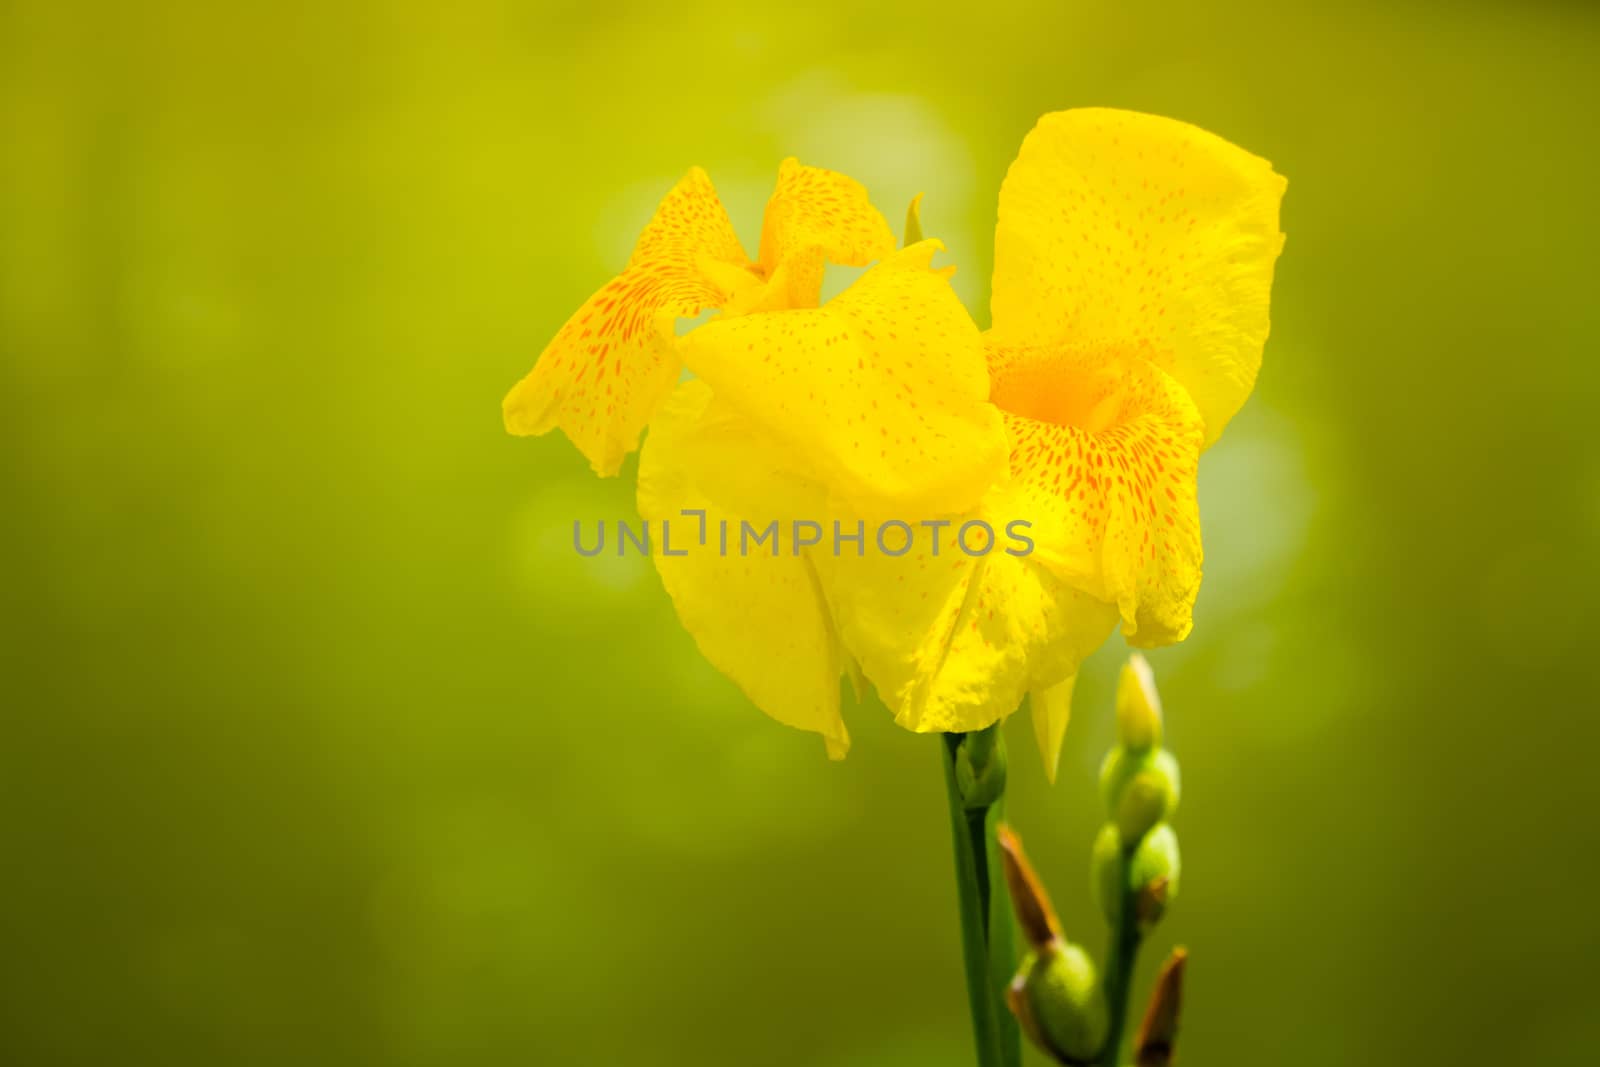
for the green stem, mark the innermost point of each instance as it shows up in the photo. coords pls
(987, 933)
(1002, 940)
(1120, 963)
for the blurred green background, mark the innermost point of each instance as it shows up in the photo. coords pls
(320, 746)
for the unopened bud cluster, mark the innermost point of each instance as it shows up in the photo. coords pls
(1136, 854)
(1058, 996)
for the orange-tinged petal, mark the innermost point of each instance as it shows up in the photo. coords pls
(755, 610)
(881, 394)
(816, 215)
(1104, 454)
(1130, 232)
(689, 222)
(608, 368)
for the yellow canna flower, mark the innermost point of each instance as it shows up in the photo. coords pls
(875, 403)
(609, 367)
(1133, 264)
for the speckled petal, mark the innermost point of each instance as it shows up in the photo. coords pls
(1137, 233)
(881, 395)
(1104, 455)
(605, 371)
(818, 215)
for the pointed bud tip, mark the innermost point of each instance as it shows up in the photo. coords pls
(1138, 705)
(1035, 915)
(1156, 1044)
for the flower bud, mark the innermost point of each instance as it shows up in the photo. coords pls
(1105, 867)
(1154, 874)
(1140, 789)
(1059, 1003)
(981, 768)
(913, 222)
(1138, 706)
(1151, 874)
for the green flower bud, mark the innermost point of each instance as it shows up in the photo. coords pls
(1140, 789)
(1105, 866)
(1154, 874)
(1059, 1003)
(1138, 706)
(981, 768)
(1116, 770)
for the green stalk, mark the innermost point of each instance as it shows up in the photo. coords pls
(1002, 932)
(987, 934)
(1120, 962)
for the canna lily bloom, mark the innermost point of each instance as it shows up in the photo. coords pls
(1133, 266)
(609, 367)
(874, 404)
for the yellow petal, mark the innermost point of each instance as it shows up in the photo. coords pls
(816, 215)
(1104, 454)
(1129, 231)
(882, 394)
(605, 371)
(952, 641)
(758, 616)
(1051, 708)
(689, 222)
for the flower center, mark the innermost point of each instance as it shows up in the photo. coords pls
(1061, 386)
